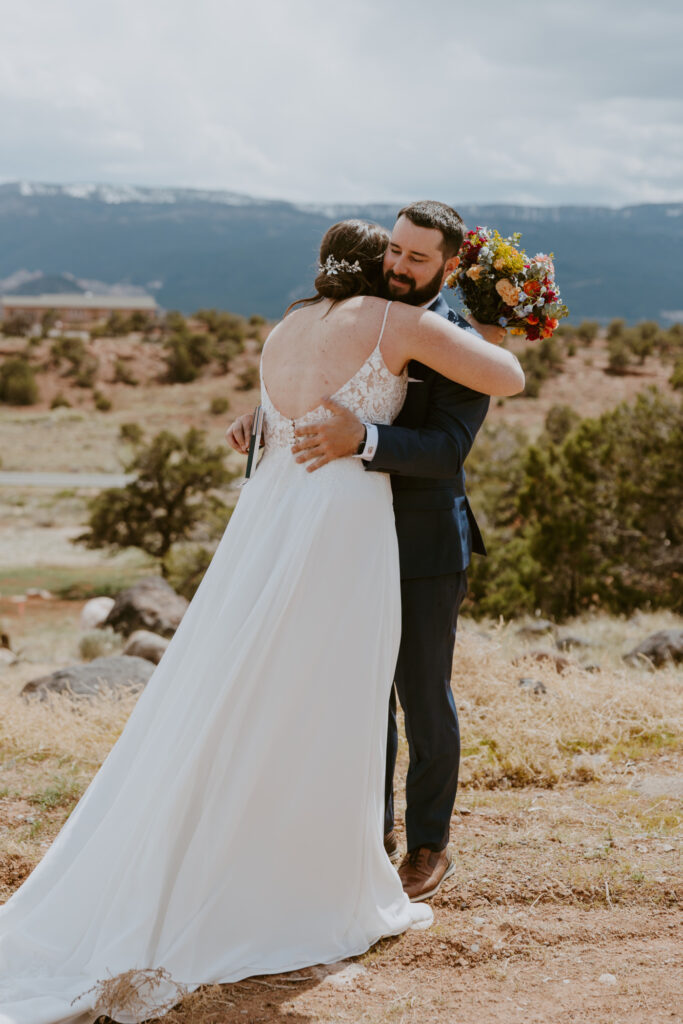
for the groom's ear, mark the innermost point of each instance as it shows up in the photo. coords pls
(449, 266)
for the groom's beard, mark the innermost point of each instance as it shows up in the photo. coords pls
(413, 295)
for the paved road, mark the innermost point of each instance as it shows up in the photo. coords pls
(64, 480)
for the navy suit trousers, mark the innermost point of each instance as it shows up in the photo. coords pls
(423, 682)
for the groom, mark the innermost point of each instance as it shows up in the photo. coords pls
(424, 451)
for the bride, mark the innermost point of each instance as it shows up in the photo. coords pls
(235, 828)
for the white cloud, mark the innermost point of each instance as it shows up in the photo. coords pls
(562, 102)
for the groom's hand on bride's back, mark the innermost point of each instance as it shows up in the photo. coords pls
(238, 433)
(333, 438)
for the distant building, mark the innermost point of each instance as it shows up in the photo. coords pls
(75, 308)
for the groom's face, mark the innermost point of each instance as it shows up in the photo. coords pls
(415, 267)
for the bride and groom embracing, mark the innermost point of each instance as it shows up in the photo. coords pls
(423, 450)
(235, 828)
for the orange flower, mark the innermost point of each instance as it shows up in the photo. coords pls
(532, 288)
(532, 318)
(507, 291)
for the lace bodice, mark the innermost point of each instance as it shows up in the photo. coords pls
(374, 394)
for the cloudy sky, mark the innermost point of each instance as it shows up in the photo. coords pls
(566, 101)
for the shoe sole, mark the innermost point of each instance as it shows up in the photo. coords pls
(426, 895)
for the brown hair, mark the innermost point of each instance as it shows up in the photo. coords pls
(350, 241)
(430, 214)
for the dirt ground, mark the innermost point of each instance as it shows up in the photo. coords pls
(565, 904)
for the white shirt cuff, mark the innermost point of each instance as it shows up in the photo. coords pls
(371, 439)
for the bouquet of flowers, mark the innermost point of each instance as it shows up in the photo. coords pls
(502, 285)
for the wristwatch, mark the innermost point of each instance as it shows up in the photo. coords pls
(361, 446)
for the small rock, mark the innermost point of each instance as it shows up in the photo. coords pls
(479, 920)
(566, 643)
(346, 977)
(536, 628)
(7, 657)
(664, 646)
(607, 979)
(591, 667)
(556, 660)
(586, 760)
(44, 595)
(95, 611)
(99, 674)
(533, 685)
(474, 948)
(143, 644)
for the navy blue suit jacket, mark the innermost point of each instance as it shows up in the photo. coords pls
(424, 450)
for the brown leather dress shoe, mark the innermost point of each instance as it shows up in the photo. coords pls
(423, 870)
(391, 846)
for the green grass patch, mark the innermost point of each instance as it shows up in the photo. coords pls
(74, 583)
(643, 744)
(62, 793)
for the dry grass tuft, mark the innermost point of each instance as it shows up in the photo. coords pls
(78, 731)
(514, 737)
(139, 992)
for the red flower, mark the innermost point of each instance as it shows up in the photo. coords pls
(532, 318)
(533, 333)
(532, 288)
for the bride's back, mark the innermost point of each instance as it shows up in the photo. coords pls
(318, 348)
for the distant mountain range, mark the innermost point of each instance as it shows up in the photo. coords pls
(192, 248)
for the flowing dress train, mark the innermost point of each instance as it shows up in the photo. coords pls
(235, 827)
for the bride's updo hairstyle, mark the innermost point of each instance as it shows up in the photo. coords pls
(351, 258)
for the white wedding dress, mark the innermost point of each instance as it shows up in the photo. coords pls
(235, 828)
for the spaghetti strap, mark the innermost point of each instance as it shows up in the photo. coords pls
(381, 333)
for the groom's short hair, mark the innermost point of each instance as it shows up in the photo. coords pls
(428, 213)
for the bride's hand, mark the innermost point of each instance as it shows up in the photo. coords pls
(239, 432)
(489, 332)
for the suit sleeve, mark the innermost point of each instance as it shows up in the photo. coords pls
(439, 448)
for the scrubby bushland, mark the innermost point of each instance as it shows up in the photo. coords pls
(170, 496)
(123, 373)
(17, 382)
(629, 347)
(186, 354)
(18, 325)
(589, 516)
(248, 378)
(542, 360)
(219, 405)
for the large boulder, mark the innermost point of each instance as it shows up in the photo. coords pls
(99, 675)
(664, 646)
(151, 604)
(94, 612)
(143, 644)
